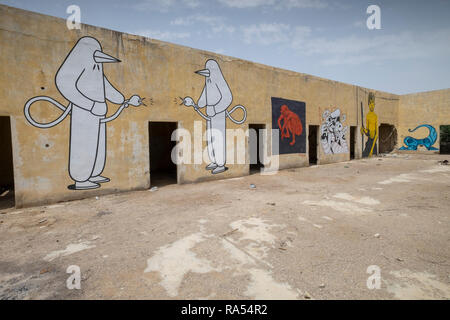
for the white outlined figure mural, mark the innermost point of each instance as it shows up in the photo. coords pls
(80, 79)
(216, 97)
(332, 132)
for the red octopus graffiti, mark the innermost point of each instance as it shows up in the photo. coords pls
(291, 124)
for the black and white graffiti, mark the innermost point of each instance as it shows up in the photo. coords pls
(216, 97)
(333, 132)
(81, 81)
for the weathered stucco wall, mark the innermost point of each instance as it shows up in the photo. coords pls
(36, 45)
(349, 100)
(429, 108)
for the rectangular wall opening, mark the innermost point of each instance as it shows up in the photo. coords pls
(312, 142)
(388, 138)
(6, 165)
(444, 145)
(255, 144)
(352, 142)
(163, 171)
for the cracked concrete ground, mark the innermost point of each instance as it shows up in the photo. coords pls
(307, 233)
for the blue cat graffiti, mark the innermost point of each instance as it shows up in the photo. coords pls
(412, 143)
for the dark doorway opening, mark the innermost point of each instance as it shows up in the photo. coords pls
(163, 171)
(312, 142)
(444, 145)
(388, 138)
(255, 146)
(6, 165)
(352, 142)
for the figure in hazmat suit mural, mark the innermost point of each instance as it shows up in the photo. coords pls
(216, 97)
(80, 79)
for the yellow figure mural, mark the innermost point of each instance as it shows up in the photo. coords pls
(371, 129)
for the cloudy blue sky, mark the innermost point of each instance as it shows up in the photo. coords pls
(326, 38)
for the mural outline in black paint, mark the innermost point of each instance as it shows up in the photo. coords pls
(81, 81)
(216, 97)
(332, 132)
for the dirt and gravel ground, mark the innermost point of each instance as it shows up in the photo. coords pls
(308, 233)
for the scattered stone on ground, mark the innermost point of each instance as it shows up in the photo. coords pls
(220, 240)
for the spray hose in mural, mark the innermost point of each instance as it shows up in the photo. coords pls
(189, 102)
(135, 101)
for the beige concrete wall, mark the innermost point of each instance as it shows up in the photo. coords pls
(432, 107)
(36, 46)
(348, 99)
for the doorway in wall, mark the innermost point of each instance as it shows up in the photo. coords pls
(312, 142)
(352, 142)
(444, 145)
(255, 143)
(163, 171)
(6, 165)
(388, 138)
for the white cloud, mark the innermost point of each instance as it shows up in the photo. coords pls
(266, 33)
(197, 18)
(164, 35)
(223, 28)
(247, 3)
(318, 4)
(164, 5)
(359, 50)
(299, 34)
(352, 49)
(213, 24)
(191, 3)
(154, 5)
(181, 22)
(273, 33)
(278, 3)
